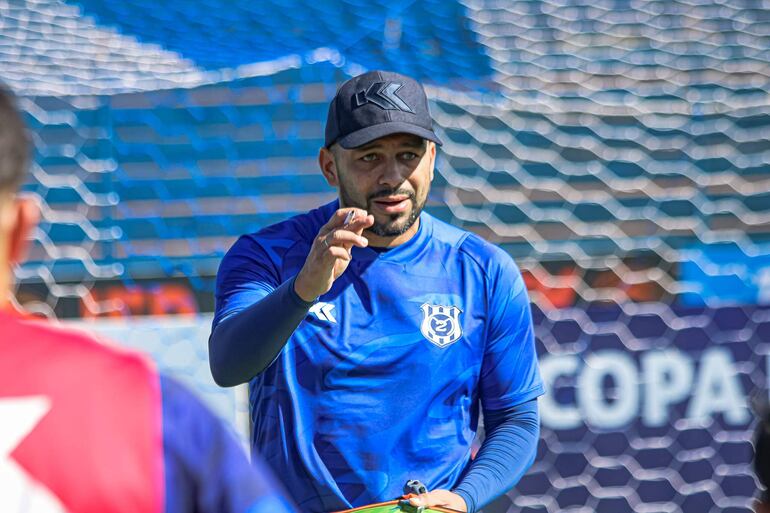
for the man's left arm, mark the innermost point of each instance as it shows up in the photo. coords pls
(510, 384)
(505, 455)
(508, 450)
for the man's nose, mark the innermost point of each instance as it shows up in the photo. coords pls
(391, 173)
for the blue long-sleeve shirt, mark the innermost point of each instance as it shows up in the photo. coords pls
(511, 434)
(382, 379)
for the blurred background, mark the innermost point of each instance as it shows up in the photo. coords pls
(619, 150)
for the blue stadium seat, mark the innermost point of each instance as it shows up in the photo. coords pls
(430, 39)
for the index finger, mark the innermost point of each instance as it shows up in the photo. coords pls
(342, 218)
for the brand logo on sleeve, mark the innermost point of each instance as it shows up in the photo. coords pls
(441, 324)
(323, 312)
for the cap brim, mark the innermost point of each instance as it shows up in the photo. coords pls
(370, 133)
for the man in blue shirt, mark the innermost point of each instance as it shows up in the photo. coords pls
(370, 332)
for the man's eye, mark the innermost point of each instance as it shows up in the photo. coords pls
(369, 157)
(409, 155)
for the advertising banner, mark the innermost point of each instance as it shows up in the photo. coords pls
(647, 409)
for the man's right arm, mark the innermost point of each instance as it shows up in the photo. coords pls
(256, 313)
(234, 356)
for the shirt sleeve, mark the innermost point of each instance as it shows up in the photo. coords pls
(505, 455)
(255, 314)
(246, 343)
(509, 372)
(246, 275)
(206, 468)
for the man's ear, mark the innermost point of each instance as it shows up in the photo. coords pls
(26, 214)
(432, 151)
(328, 166)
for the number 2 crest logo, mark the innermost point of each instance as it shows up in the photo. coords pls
(441, 324)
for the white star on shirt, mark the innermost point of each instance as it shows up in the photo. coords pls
(20, 492)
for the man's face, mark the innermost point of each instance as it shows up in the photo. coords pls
(389, 178)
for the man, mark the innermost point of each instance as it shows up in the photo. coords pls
(369, 331)
(88, 428)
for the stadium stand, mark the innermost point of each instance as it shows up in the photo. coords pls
(619, 150)
(50, 48)
(653, 55)
(427, 39)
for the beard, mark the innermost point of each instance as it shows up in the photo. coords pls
(395, 224)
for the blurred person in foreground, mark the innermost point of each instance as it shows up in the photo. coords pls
(372, 333)
(90, 428)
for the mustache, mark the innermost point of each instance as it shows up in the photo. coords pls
(391, 192)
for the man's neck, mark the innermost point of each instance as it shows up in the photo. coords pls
(377, 241)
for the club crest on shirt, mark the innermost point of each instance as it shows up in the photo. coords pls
(441, 324)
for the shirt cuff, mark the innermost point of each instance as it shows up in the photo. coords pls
(295, 297)
(470, 504)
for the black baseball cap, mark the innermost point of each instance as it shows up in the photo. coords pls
(376, 104)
